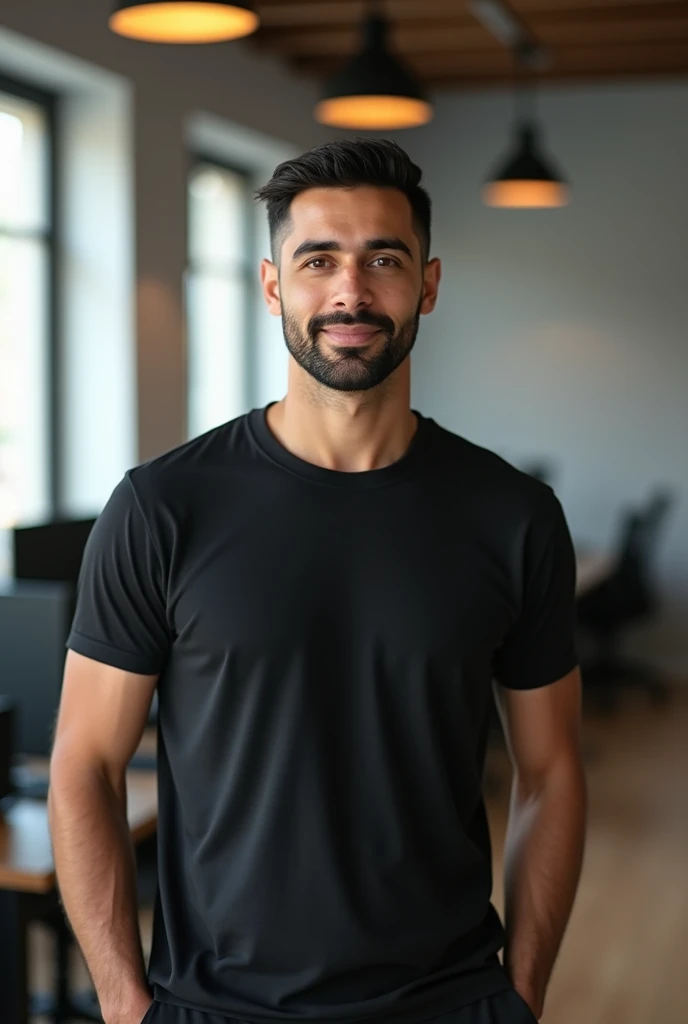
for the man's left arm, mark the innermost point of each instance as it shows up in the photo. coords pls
(545, 840)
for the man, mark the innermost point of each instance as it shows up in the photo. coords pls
(323, 592)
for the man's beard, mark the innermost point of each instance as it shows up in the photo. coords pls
(351, 369)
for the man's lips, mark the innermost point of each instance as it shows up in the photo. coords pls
(358, 335)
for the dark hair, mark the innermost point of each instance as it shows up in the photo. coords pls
(346, 163)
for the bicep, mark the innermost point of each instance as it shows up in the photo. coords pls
(103, 713)
(541, 725)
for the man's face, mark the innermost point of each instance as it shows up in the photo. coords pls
(351, 285)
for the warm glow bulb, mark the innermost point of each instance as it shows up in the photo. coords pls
(184, 22)
(525, 194)
(375, 113)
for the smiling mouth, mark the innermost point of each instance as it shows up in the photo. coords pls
(349, 336)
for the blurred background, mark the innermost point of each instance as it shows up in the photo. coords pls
(552, 136)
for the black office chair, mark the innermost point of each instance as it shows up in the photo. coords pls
(626, 598)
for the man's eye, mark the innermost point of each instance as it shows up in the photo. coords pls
(390, 261)
(318, 259)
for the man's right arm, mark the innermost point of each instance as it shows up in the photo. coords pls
(103, 713)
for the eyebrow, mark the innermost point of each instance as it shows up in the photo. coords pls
(313, 245)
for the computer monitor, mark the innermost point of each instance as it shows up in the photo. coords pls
(54, 551)
(51, 551)
(35, 618)
(8, 714)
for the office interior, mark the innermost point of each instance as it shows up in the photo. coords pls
(131, 320)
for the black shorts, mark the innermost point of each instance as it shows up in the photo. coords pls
(505, 1007)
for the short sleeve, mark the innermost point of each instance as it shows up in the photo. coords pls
(120, 616)
(540, 647)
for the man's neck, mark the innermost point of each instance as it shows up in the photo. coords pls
(349, 435)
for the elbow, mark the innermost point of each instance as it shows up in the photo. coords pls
(564, 777)
(74, 774)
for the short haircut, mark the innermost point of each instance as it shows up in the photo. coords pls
(347, 164)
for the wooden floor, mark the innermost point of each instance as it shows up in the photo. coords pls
(624, 959)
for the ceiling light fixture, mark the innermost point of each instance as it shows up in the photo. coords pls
(184, 21)
(375, 90)
(526, 179)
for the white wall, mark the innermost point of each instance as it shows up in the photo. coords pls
(232, 82)
(564, 333)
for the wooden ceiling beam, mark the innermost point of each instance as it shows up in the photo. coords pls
(498, 64)
(409, 36)
(556, 33)
(527, 7)
(444, 42)
(630, 55)
(480, 61)
(292, 13)
(413, 37)
(642, 10)
(446, 83)
(308, 12)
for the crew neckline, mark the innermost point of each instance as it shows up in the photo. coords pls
(409, 462)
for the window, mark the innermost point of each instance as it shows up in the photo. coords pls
(219, 291)
(27, 436)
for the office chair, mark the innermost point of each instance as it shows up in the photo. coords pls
(626, 598)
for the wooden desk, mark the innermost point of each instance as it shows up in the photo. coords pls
(27, 883)
(26, 856)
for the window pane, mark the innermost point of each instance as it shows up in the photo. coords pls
(24, 392)
(217, 208)
(216, 350)
(23, 165)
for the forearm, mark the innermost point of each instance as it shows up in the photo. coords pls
(543, 861)
(96, 872)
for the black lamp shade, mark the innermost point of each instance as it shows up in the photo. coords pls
(374, 90)
(184, 21)
(526, 178)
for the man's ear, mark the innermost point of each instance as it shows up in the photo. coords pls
(269, 279)
(431, 284)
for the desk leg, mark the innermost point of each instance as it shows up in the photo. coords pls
(13, 971)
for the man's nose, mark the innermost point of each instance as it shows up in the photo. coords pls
(351, 291)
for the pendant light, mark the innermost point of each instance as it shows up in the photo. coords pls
(526, 179)
(184, 21)
(375, 91)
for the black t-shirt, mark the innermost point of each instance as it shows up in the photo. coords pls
(326, 644)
